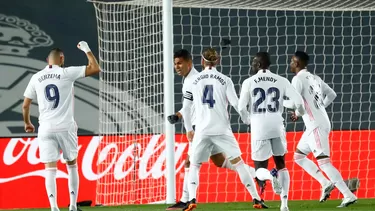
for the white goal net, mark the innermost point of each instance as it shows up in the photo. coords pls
(338, 36)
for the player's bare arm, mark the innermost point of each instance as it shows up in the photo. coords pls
(93, 65)
(29, 127)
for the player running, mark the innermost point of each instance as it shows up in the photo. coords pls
(264, 93)
(211, 92)
(184, 67)
(317, 95)
(52, 88)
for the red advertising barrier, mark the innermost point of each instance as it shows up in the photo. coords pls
(130, 172)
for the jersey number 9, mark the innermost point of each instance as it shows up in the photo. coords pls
(273, 106)
(52, 95)
(208, 96)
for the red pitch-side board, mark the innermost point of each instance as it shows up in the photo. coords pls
(143, 163)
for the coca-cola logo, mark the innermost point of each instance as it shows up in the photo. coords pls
(146, 157)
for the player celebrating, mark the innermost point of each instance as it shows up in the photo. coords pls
(211, 92)
(184, 67)
(317, 96)
(52, 88)
(264, 92)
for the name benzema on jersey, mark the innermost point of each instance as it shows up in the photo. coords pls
(17, 67)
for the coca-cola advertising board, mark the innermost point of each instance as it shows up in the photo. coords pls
(134, 171)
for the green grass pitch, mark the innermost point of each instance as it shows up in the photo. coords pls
(361, 205)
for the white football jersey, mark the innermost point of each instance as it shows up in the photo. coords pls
(188, 94)
(211, 92)
(264, 93)
(317, 95)
(52, 87)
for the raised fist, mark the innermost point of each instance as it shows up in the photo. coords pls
(83, 46)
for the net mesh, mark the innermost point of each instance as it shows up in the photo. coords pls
(338, 35)
(340, 44)
(131, 103)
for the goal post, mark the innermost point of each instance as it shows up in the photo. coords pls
(169, 98)
(135, 53)
(136, 95)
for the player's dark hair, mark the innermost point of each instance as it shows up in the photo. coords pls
(264, 59)
(184, 54)
(302, 57)
(210, 57)
(56, 52)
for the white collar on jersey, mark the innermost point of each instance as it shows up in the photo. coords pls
(261, 70)
(51, 66)
(192, 72)
(302, 71)
(208, 68)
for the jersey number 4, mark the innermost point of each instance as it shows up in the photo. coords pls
(273, 106)
(208, 95)
(52, 95)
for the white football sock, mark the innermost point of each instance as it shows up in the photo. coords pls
(246, 179)
(251, 170)
(185, 189)
(50, 183)
(228, 165)
(311, 168)
(193, 180)
(335, 176)
(263, 174)
(284, 178)
(73, 182)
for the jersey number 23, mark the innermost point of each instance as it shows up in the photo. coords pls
(272, 106)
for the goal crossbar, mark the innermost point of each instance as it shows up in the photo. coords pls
(286, 5)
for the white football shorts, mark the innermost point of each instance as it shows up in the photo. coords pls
(214, 151)
(50, 144)
(262, 150)
(203, 146)
(315, 141)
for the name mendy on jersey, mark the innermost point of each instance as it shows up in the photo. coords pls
(205, 76)
(264, 78)
(49, 76)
